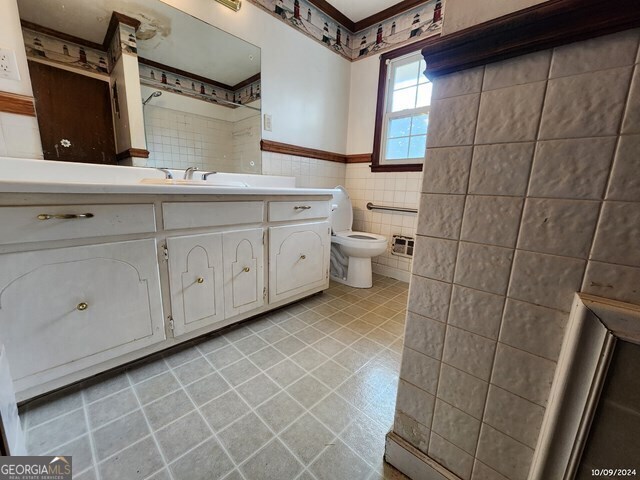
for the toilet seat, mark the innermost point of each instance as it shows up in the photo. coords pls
(365, 240)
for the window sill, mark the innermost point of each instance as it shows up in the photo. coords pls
(404, 167)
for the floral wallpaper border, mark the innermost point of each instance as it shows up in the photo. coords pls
(407, 27)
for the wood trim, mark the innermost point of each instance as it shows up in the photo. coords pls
(403, 167)
(18, 104)
(334, 13)
(116, 19)
(132, 153)
(62, 36)
(184, 73)
(359, 158)
(544, 26)
(385, 14)
(246, 82)
(288, 149)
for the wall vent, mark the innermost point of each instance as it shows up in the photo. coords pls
(402, 246)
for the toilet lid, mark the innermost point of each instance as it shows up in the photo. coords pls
(342, 214)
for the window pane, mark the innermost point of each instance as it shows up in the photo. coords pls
(397, 148)
(406, 76)
(404, 99)
(418, 146)
(424, 95)
(420, 124)
(423, 66)
(399, 127)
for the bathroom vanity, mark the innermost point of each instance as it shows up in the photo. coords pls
(95, 276)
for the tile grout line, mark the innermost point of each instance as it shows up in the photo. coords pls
(92, 443)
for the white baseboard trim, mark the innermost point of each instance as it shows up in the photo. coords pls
(412, 462)
(396, 273)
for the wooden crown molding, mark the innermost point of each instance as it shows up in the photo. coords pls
(298, 151)
(547, 25)
(132, 153)
(18, 104)
(371, 20)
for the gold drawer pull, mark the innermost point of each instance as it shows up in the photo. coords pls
(303, 257)
(246, 269)
(302, 207)
(82, 306)
(67, 216)
(200, 280)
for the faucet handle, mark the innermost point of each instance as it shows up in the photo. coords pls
(206, 175)
(167, 173)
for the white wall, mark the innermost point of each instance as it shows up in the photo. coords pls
(460, 14)
(305, 86)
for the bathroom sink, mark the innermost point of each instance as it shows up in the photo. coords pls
(201, 183)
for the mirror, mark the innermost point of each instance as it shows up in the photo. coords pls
(138, 82)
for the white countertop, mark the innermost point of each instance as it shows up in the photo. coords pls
(151, 189)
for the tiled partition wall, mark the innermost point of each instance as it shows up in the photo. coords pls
(181, 140)
(309, 172)
(531, 192)
(391, 189)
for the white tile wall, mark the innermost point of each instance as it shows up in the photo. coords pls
(392, 189)
(19, 136)
(246, 144)
(309, 172)
(180, 140)
(530, 194)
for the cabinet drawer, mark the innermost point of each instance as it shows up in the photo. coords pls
(63, 310)
(210, 214)
(302, 210)
(46, 223)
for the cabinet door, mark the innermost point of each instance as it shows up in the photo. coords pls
(195, 281)
(298, 259)
(243, 254)
(66, 309)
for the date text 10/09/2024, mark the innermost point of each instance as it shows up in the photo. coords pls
(613, 472)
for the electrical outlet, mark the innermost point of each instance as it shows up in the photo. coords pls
(8, 65)
(267, 123)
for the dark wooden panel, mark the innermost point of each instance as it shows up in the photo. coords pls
(19, 104)
(287, 149)
(405, 167)
(547, 25)
(76, 108)
(246, 82)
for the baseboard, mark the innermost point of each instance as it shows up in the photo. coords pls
(396, 273)
(412, 462)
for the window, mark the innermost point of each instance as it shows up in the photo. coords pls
(402, 119)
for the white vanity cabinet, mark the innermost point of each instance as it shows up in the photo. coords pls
(243, 257)
(298, 259)
(62, 310)
(104, 280)
(195, 281)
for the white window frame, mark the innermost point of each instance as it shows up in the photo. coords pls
(392, 66)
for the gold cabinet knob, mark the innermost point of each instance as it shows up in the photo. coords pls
(303, 257)
(200, 280)
(246, 269)
(82, 306)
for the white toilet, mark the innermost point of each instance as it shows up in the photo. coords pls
(351, 252)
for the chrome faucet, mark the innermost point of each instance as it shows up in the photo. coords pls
(206, 175)
(188, 173)
(167, 173)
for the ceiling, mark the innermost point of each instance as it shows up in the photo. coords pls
(356, 10)
(166, 35)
